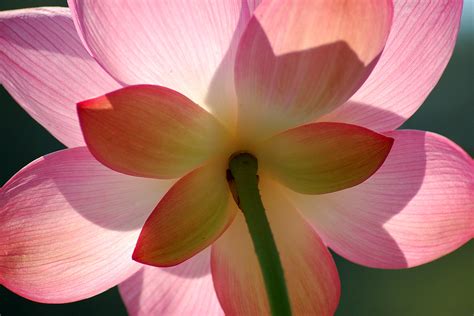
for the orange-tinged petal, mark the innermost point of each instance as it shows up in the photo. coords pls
(310, 272)
(194, 213)
(418, 207)
(298, 60)
(324, 157)
(150, 131)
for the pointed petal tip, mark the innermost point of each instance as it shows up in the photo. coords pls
(191, 216)
(418, 207)
(140, 256)
(324, 157)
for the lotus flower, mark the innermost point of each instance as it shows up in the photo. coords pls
(167, 91)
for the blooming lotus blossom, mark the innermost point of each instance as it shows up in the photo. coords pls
(168, 91)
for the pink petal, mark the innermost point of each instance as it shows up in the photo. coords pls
(416, 208)
(44, 66)
(150, 131)
(298, 60)
(69, 225)
(185, 289)
(418, 49)
(323, 157)
(188, 46)
(194, 213)
(310, 272)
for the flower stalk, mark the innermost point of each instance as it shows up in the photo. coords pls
(244, 183)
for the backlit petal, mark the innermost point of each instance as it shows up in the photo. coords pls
(418, 49)
(44, 66)
(297, 60)
(188, 46)
(310, 272)
(150, 131)
(185, 289)
(416, 208)
(68, 226)
(194, 213)
(324, 157)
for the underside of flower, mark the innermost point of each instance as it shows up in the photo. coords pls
(160, 94)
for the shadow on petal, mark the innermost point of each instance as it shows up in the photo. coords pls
(100, 195)
(358, 113)
(221, 98)
(353, 221)
(164, 289)
(279, 91)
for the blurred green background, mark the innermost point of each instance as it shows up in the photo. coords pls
(444, 287)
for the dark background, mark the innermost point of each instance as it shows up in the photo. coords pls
(443, 287)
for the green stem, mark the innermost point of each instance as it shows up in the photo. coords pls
(243, 168)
